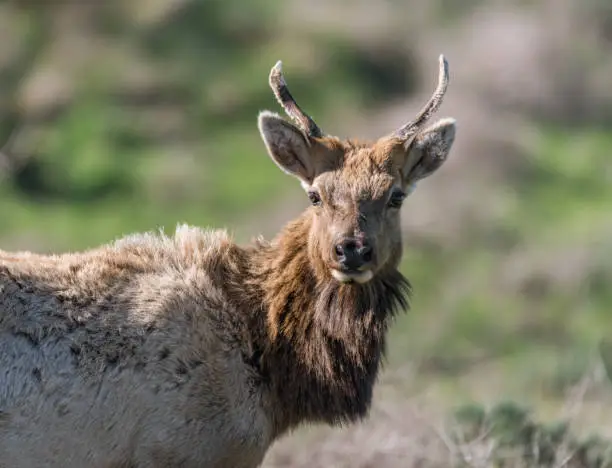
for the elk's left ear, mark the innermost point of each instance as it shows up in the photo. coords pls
(427, 150)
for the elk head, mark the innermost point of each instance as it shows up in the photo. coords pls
(356, 189)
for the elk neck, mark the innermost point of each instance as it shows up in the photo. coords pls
(319, 343)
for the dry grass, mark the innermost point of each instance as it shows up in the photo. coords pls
(395, 435)
(413, 433)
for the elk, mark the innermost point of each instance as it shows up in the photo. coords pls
(190, 350)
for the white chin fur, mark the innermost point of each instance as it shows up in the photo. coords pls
(361, 277)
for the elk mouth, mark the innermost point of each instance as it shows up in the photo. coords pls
(352, 276)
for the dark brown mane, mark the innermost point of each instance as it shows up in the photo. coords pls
(322, 342)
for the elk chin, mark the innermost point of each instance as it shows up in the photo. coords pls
(360, 277)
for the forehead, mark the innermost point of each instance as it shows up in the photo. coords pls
(364, 170)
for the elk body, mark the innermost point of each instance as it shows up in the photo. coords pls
(192, 351)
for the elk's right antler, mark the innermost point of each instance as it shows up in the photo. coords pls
(432, 105)
(285, 99)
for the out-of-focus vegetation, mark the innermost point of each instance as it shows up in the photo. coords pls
(507, 435)
(128, 116)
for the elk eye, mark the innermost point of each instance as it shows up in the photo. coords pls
(396, 200)
(314, 197)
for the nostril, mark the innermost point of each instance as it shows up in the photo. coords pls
(366, 254)
(349, 246)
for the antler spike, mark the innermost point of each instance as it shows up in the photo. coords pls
(432, 105)
(287, 102)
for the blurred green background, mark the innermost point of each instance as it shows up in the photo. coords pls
(129, 116)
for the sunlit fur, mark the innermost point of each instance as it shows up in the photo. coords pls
(186, 350)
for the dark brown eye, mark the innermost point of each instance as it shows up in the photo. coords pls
(396, 200)
(314, 197)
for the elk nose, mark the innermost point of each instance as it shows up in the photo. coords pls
(353, 254)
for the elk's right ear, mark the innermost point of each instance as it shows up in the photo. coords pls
(287, 146)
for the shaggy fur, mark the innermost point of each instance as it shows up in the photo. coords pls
(180, 351)
(192, 351)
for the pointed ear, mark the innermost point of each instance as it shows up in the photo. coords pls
(287, 146)
(428, 150)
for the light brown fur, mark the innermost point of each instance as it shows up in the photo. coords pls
(192, 351)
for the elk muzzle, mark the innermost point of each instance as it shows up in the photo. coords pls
(354, 257)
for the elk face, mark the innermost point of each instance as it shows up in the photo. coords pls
(356, 189)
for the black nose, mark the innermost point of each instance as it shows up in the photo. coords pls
(352, 253)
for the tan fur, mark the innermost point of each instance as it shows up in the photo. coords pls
(120, 356)
(192, 351)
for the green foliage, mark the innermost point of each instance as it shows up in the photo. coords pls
(79, 162)
(568, 184)
(605, 350)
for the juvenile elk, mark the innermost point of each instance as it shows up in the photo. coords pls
(192, 351)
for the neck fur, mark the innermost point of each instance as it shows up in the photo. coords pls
(319, 342)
